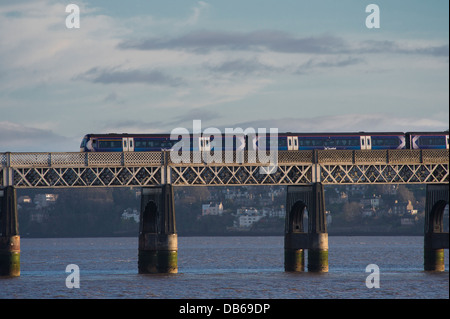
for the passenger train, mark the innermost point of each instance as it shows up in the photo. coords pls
(285, 141)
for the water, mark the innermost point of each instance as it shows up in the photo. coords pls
(224, 267)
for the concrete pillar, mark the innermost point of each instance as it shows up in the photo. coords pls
(158, 241)
(9, 233)
(435, 240)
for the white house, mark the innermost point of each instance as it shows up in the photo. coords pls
(212, 209)
(248, 220)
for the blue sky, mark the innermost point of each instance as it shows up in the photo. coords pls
(152, 66)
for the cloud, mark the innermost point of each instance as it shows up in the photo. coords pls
(113, 75)
(375, 122)
(203, 114)
(196, 12)
(318, 63)
(387, 46)
(242, 67)
(20, 138)
(131, 126)
(202, 42)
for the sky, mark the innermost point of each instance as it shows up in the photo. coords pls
(144, 66)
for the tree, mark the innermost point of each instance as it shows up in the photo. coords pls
(352, 212)
(405, 194)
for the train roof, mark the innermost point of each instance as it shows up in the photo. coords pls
(119, 135)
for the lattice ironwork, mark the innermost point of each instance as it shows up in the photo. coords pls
(392, 174)
(86, 176)
(30, 170)
(241, 175)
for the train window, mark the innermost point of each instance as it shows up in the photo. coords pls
(431, 140)
(139, 144)
(385, 141)
(110, 144)
(83, 142)
(282, 142)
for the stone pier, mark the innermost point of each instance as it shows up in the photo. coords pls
(9, 233)
(158, 241)
(435, 240)
(306, 201)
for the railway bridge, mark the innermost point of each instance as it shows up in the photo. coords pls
(303, 172)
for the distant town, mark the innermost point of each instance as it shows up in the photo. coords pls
(236, 210)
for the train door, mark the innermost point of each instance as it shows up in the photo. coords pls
(128, 144)
(292, 143)
(366, 142)
(204, 144)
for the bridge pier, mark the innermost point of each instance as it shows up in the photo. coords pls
(435, 240)
(9, 233)
(158, 241)
(300, 200)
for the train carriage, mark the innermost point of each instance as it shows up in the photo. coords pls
(282, 141)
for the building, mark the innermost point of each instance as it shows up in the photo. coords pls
(403, 208)
(24, 200)
(44, 200)
(246, 221)
(130, 214)
(215, 209)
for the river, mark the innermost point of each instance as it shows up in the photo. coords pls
(224, 268)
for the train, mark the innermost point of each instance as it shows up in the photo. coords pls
(126, 142)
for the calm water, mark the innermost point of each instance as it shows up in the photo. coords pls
(224, 267)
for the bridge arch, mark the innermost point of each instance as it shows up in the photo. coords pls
(297, 215)
(436, 217)
(149, 220)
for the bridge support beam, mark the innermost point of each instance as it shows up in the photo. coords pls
(9, 233)
(158, 241)
(300, 200)
(435, 240)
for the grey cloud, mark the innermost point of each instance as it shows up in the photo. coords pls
(132, 126)
(277, 41)
(202, 114)
(20, 138)
(205, 41)
(376, 122)
(394, 47)
(164, 126)
(113, 75)
(241, 67)
(334, 63)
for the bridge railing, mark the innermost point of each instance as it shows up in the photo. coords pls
(78, 159)
(325, 157)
